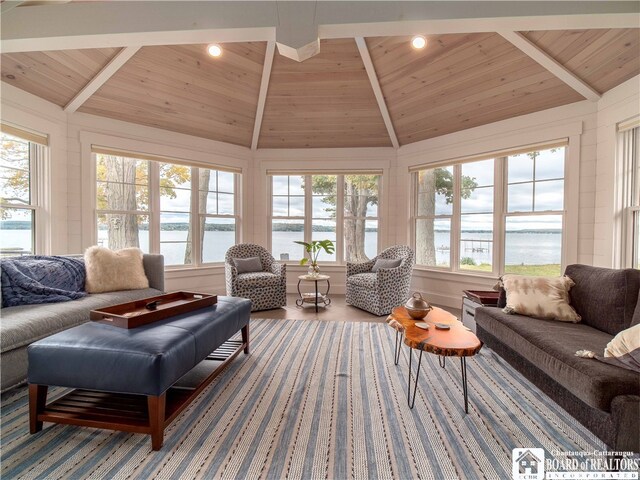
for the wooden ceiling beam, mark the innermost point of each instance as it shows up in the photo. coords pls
(105, 74)
(262, 96)
(551, 64)
(377, 91)
(114, 24)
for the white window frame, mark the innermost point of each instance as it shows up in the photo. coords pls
(154, 209)
(38, 155)
(195, 207)
(500, 210)
(307, 218)
(629, 160)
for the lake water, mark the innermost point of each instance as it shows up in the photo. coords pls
(522, 248)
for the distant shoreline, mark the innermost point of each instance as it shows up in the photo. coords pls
(277, 227)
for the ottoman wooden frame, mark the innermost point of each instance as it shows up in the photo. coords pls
(127, 412)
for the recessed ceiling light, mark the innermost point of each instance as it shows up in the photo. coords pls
(214, 50)
(418, 42)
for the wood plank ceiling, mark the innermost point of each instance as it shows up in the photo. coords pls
(325, 101)
(56, 76)
(181, 88)
(603, 58)
(459, 81)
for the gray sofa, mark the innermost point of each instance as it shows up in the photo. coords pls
(23, 325)
(604, 398)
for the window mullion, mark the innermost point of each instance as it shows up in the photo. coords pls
(456, 222)
(308, 209)
(340, 252)
(154, 207)
(238, 207)
(194, 219)
(499, 211)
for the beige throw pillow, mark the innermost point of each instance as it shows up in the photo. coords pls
(109, 271)
(540, 297)
(624, 343)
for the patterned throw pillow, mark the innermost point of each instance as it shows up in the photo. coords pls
(540, 297)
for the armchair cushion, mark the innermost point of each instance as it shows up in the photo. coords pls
(247, 265)
(258, 280)
(367, 280)
(386, 263)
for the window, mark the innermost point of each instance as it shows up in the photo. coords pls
(464, 219)
(340, 208)
(434, 211)
(629, 146)
(534, 217)
(19, 205)
(150, 204)
(288, 216)
(122, 188)
(218, 225)
(360, 217)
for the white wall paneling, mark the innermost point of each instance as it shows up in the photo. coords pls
(615, 106)
(28, 111)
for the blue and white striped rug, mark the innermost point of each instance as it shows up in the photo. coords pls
(315, 400)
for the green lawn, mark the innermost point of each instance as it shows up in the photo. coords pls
(549, 270)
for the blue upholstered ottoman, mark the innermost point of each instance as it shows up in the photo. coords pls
(123, 376)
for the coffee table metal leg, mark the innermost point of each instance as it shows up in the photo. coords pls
(463, 368)
(396, 351)
(415, 385)
(316, 282)
(442, 361)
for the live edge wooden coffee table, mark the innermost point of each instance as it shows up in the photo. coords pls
(458, 341)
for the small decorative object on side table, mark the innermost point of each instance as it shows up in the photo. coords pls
(313, 249)
(473, 299)
(316, 297)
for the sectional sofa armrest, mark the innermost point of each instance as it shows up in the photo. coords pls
(625, 410)
(154, 270)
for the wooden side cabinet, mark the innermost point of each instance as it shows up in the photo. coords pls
(472, 299)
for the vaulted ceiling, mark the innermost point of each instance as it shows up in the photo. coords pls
(330, 100)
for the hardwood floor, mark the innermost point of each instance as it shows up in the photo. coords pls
(338, 311)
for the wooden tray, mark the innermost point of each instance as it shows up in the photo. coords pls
(484, 297)
(134, 314)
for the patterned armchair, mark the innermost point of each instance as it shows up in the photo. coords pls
(378, 292)
(266, 289)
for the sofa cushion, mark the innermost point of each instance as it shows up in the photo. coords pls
(367, 280)
(605, 298)
(551, 346)
(258, 280)
(25, 324)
